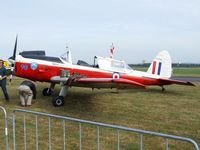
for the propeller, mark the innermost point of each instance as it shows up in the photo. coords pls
(13, 57)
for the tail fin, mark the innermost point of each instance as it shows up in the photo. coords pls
(161, 65)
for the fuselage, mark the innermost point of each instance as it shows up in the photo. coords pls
(42, 70)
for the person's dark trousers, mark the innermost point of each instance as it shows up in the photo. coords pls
(3, 86)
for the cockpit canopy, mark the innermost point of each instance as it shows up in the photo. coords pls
(111, 64)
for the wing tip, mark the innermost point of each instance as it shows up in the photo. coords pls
(190, 84)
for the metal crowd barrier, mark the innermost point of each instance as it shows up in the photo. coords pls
(5, 126)
(98, 125)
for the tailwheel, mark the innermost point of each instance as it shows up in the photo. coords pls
(47, 91)
(58, 101)
(163, 89)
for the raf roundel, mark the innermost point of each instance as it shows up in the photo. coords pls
(34, 66)
(115, 75)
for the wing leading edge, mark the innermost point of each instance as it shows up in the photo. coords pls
(118, 82)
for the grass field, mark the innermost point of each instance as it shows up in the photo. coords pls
(191, 72)
(176, 111)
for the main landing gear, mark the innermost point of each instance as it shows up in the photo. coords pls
(49, 90)
(59, 100)
(65, 82)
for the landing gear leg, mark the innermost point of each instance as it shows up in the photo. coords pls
(59, 100)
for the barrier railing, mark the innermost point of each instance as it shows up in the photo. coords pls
(80, 122)
(5, 126)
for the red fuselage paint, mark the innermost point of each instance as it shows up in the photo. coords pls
(44, 73)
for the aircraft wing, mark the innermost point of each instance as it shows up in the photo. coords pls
(103, 81)
(58, 79)
(171, 81)
(97, 82)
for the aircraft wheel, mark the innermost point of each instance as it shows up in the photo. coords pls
(47, 92)
(58, 101)
(163, 89)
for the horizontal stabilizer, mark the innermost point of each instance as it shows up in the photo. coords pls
(170, 81)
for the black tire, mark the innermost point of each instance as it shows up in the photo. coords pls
(163, 89)
(58, 101)
(47, 92)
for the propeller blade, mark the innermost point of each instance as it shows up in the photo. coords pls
(15, 48)
(12, 58)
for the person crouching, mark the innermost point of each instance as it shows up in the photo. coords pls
(27, 92)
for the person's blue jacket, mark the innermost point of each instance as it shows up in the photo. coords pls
(3, 72)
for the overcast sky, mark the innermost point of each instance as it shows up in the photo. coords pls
(139, 29)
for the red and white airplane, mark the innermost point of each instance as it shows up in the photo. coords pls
(105, 73)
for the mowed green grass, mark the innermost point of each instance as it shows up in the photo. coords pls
(179, 71)
(193, 72)
(175, 111)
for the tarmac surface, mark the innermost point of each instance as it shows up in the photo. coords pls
(191, 79)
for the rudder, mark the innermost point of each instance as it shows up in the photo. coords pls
(161, 65)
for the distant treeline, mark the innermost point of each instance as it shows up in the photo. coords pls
(173, 65)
